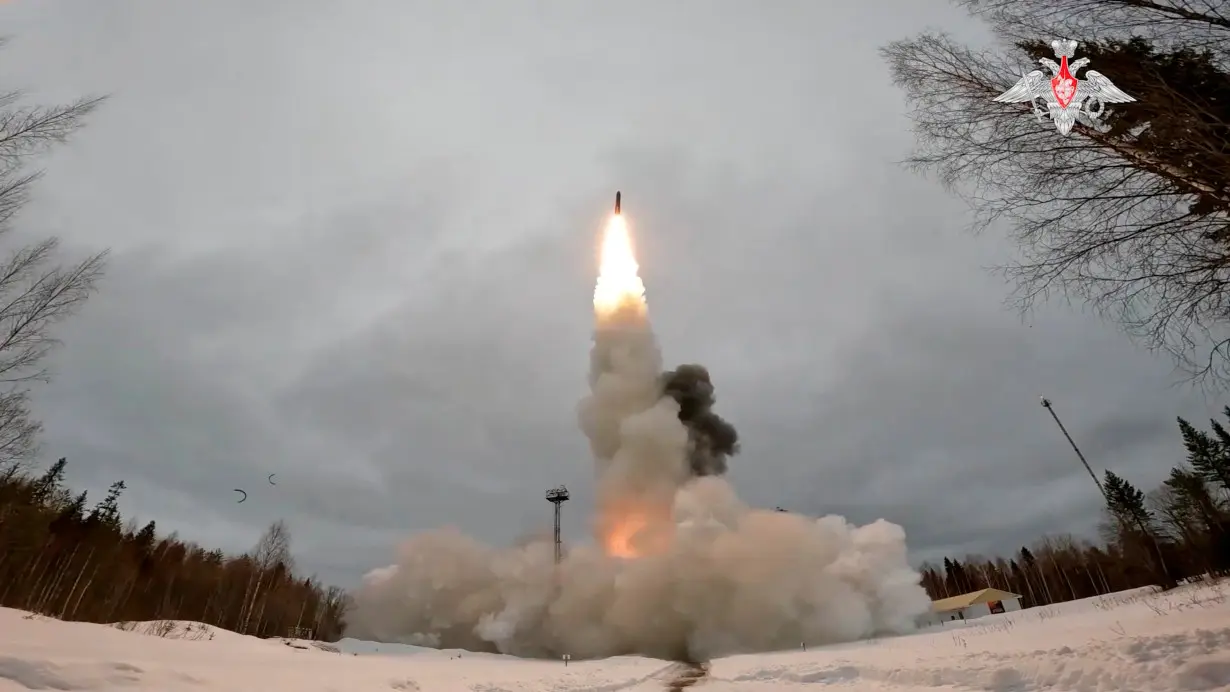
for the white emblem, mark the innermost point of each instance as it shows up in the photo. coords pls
(1066, 97)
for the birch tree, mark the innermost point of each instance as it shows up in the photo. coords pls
(38, 287)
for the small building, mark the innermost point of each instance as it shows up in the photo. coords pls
(971, 605)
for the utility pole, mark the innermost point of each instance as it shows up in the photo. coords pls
(1046, 404)
(558, 496)
(1157, 548)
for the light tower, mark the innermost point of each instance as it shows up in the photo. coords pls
(558, 496)
(1161, 558)
(1046, 404)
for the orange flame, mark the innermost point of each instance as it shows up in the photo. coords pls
(636, 530)
(620, 538)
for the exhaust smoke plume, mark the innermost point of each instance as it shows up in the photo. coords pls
(710, 438)
(681, 569)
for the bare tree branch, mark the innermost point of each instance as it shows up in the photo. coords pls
(1196, 24)
(273, 547)
(36, 290)
(1132, 218)
(18, 432)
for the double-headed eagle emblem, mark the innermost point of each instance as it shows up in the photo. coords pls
(1066, 97)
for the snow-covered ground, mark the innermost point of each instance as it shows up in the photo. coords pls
(1133, 641)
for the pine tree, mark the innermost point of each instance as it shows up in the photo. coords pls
(1217, 468)
(1208, 456)
(1020, 576)
(1193, 499)
(1126, 502)
(71, 516)
(950, 577)
(46, 485)
(1222, 435)
(107, 512)
(146, 537)
(962, 577)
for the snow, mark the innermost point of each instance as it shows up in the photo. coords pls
(1132, 641)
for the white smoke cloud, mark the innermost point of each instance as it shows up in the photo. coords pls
(735, 580)
(712, 576)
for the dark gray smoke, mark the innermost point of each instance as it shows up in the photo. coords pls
(711, 438)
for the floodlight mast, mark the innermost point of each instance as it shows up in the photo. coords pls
(1046, 404)
(558, 496)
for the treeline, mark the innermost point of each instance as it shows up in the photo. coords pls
(57, 556)
(61, 558)
(1179, 531)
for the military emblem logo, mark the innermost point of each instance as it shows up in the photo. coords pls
(1067, 99)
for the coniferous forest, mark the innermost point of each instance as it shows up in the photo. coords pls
(1177, 532)
(61, 554)
(64, 557)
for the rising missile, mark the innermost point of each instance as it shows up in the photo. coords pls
(616, 201)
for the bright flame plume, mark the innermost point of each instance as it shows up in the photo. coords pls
(619, 284)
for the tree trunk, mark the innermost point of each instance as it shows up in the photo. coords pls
(69, 599)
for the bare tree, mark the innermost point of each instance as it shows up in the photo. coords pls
(36, 290)
(272, 559)
(1173, 515)
(1132, 215)
(273, 547)
(1197, 24)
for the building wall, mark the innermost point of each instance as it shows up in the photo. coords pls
(979, 610)
(976, 611)
(972, 612)
(944, 617)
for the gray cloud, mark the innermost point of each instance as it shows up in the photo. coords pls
(345, 237)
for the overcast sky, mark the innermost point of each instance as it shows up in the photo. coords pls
(354, 245)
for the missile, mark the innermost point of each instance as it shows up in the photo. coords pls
(616, 201)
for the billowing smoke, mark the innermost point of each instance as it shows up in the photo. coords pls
(711, 440)
(680, 569)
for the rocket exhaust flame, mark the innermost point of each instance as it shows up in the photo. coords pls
(622, 340)
(619, 285)
(681, 569)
